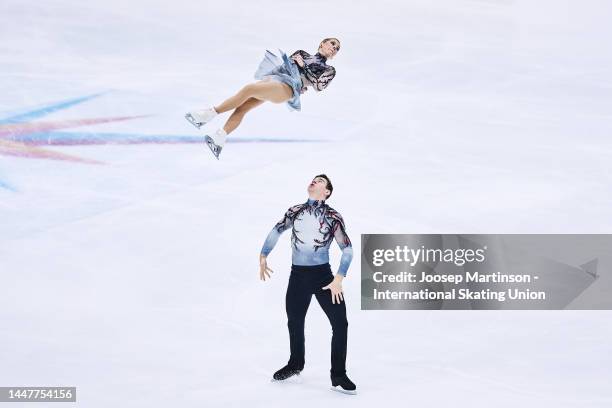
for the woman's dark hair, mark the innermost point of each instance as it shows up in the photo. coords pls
(329, 184)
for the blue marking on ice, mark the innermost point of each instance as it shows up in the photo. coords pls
(7, 186)
(41, 111)
(84, 138)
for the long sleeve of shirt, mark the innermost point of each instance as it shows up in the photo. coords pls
(283, 225)
(345, 245)
(315, 70)
(314, 225)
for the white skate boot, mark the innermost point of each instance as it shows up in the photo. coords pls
(199, 118)
(216, 142)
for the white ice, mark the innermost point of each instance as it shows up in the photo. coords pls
(137, 280)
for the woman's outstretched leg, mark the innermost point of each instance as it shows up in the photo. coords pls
(249, 97)
(269, 91)
(236, 118)
(218, 138)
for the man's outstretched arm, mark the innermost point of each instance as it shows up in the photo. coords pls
(284, 224)
(335, 287)
(345, 245)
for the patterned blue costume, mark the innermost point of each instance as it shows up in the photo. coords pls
(314, 226)
(315, 73)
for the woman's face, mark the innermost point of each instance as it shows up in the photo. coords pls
(329, 48)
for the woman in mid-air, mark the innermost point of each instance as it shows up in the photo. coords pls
(281, 79)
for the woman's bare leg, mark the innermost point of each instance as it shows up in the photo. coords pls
(269, 91)
(234, 120)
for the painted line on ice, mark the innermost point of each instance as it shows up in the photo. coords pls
(27, 115)
(91, 138)
(7, 186)
(17, 129)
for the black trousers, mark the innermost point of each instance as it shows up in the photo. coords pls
(304, 282)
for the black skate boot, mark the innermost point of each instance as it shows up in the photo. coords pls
(343, 384)
(286, 372)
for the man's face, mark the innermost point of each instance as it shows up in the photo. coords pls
(318, 188)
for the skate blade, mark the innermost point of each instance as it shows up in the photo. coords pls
(342, 390)
(216, 150)
(294, 379)
(192, 120)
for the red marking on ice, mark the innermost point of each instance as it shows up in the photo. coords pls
(9, 148)
(35, 127)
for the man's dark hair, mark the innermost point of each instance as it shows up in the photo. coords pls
(329, 184)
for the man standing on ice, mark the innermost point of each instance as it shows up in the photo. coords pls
(314, 226)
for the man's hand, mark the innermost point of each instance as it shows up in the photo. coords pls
(263, 268)
(298, 60)
(336, 289)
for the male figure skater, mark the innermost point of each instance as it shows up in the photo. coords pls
(314, 226)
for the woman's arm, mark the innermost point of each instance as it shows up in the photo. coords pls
(319, 79)
(319, 82)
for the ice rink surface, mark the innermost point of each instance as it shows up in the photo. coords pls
(136, 278)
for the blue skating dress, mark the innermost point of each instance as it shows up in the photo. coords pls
(315, 73)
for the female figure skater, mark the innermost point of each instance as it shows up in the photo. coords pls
(281, 79)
